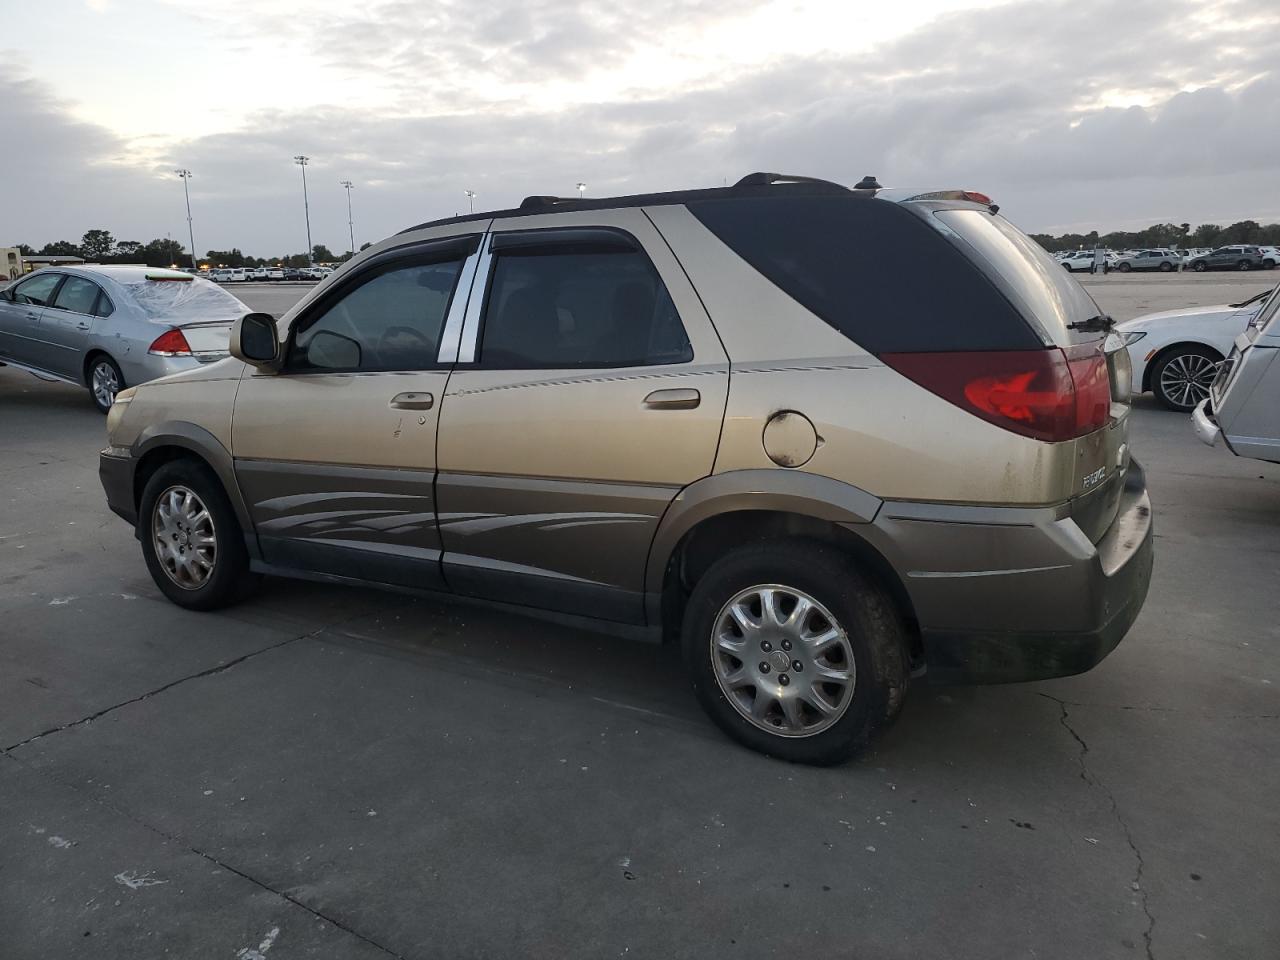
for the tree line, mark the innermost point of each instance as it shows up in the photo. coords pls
(99, 246)
(1174, 235)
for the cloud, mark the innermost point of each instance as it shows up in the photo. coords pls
(1073, 112)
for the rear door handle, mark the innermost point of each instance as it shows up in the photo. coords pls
(682, 398)
(412, 401)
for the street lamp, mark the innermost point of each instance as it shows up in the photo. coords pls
(191, 235)
(350, 223)
(302, 161)
(582, 188)
(471, 199)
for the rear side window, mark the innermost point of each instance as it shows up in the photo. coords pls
(876, 272)
(77, 295)
(554, 307)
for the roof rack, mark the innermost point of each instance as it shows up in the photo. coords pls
(752, 185)
(769, 179)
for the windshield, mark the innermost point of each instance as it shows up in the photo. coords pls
(1054, 298)
(185, 301)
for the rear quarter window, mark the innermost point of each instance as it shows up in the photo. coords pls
(871, 269)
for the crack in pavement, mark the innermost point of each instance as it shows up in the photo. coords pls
(1173, 710)
(173, 683)
(1092, 780)
(191, 848)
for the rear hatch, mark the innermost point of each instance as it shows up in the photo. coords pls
(1069, 319)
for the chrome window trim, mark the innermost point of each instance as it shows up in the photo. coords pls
(451, 336)
(471, 323)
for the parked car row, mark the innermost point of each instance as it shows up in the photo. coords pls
(1166, 260)
(245, 274)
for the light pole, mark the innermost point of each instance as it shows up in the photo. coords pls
(350, 223)
(185, 174)
(471, 199)
(302, 161)
(582, 188)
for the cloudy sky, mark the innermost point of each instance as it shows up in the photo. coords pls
(1070, 113)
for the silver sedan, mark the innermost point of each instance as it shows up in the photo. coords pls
(109, 327)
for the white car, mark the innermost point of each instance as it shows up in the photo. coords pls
(274, 273)
(1175, 353)
(1083, 260)
(1243, 406)
(1270, 256)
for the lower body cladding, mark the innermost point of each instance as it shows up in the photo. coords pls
(1014, 594)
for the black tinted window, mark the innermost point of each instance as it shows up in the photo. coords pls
(37, 290)
(389, 322)
(873, 270)
(579, 309)
(77, 295)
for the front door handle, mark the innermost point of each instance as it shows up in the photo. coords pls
(82, 326)
(412, 401)
(683, 398)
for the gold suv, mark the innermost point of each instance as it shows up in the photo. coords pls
(825, 438)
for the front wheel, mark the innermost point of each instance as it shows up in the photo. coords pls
(1182, 377)
(1124, 268)
(1200, 267)
(191, 540)
(794, 652)
(105, 381)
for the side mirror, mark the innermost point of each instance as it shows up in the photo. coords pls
(6, 294)
(255, 341)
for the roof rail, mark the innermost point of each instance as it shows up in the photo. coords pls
(538, 202)
(768, 179)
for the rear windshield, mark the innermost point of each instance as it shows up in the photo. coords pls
(871, 269)
(1049, 292)
(178, 301)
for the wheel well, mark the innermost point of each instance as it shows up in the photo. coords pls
(711, 539)
(156, 458)
(1164, 351)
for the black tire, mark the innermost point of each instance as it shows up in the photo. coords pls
(1124, 268)
(1067, 267)
(1200, 266)
(1157, 372)
(102, 360)
(1243, 265)
(230, 579)
(866, 612)
(1166, 267)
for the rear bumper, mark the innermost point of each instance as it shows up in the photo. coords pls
(116, 474)
(1206, 427)
(1006, 595)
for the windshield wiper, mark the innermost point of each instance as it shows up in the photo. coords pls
(1102, 323)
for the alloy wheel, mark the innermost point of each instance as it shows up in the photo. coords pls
(1186, 379)
(184, 537)
(783, 661)
(105, 383)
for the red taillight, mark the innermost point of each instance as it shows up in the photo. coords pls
(976, 197)
(1049, 394)
(171, 343)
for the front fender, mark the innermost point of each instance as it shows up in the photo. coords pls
(189, 436)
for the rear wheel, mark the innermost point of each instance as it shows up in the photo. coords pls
(191, 541)
(105, 381)
(1166, 267)
(1181, 378)
(1243, 265)
(794, 652)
